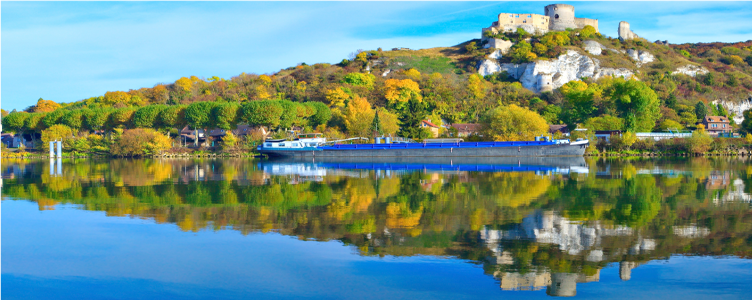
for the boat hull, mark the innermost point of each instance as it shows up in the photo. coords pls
(574, 149)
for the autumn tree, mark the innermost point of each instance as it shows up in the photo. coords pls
(476, 86)
(56, 132)
(388, 122)
(360, 79)
(140, 142)
(399, 92)
(112, 98)
(46, 106)
(358, 116)
(513, 123)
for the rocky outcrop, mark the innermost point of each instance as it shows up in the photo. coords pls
(640, 57)
(625, 33)
(500, 44)
(592, 47)
(691, 70)
(546, 75)
(735, 108)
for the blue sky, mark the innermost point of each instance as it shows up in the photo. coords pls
(68, 51)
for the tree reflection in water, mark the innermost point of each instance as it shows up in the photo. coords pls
(531, 227)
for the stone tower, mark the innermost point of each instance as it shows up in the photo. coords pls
(624, 32)
(561, 16)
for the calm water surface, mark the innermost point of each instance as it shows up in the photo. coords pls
(454, 229)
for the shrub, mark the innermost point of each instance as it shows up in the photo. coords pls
(53, 133)
(140, 142)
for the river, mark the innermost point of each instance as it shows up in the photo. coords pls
(412, 229)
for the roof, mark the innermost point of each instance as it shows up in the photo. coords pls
(430, 124)
(720, 119)
(466, 127)
(555, 128)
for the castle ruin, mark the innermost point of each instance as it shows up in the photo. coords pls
(556, 17)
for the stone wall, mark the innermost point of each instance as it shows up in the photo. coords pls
(532, 23)
(561, 16)
(582, 22)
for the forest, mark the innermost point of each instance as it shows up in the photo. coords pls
(378, 92)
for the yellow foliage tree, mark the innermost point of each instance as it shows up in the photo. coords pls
(476, 86)
(400, 91)
(184, 84)
(388, 121)
(337, 97)
(265, 79)
(260, 93)
(413, 73)
(111, 98)
(46, 106)
(513, 123)
(358, 116)
(56, 133)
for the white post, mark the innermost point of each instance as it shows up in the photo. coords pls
(52, 149)
(59, 149)
(59, 170)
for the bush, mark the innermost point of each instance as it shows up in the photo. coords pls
(141, 142)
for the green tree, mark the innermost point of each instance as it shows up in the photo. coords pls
(580, 102)
(97, 119)
(746, 125)
(15, 122)
(148, 116)
(122, 117)
(411, 118)
(198, 114)
(173, 116)
(522, 52)
(75, 118)
(322, 115)
(360, 79)
(226, 115)
(701, 110)
(637, 103)
(53, 118)
(262, 113)
(34, 122)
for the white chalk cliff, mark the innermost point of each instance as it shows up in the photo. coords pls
(546, 75)
(691, 70)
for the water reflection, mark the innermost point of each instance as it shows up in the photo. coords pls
(533, 224)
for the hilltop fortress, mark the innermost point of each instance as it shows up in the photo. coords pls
(556, 17)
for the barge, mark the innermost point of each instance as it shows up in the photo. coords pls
(315, 145)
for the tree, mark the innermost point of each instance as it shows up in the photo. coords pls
(637, 103)
(15, 122)
(338, 97)
(229, 141)
(262, 113)
(411, 118)
(122, 117)
(700, 140)
(226, 115)
(140, 142)
(476, 86)
(111, 98)
(56, 132)
(628, 139)
(746, 125)
(34, 122)
(513, 123)
(701, 110)
(322, 115)
(173, 116)
(147, 116)
(75, 119)
(399, 92)
(97, 119)
(53, 118)
(376, 124)
(198, 114)
(522, 52)
(587, 31)
(46, 106)
(358, 117)
(604, 122)
(580, 102)
(360, 79)
(388, 122)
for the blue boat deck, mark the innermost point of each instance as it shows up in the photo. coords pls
(435, 145)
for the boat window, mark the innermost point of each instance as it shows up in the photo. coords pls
(281, 144)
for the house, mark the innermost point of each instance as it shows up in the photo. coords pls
(606, 135)
(552, 129)
(466, 129)
(430, 126)
(16, 140)
(188, 135)
(716, 125)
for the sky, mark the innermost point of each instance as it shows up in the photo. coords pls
(69, 51)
